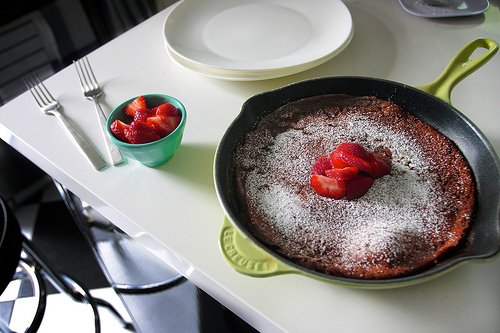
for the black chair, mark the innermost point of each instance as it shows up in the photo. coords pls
(19, 259)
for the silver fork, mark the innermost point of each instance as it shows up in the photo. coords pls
(91, 91)
(48, 105)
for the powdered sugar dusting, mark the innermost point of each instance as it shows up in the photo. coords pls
(390, 224)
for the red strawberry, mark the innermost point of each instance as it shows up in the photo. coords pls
(337, 163)
(118, 129)
(172, 122)
(354, 161)
(163, 125)
(346, 173)
(328, 187)
(138, 103)
(137, 137)
(167, 109)
(321, 164)
(354, 149)
(143, 114)
(357, 187)
(379, 166)
(141, 126)
(156, 122)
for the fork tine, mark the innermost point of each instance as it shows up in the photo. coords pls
(45, 92)
(29, 84)
(38, 90)
(81, 77)
(90, 72)
(85, 74)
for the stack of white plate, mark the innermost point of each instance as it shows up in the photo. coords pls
(256, 39)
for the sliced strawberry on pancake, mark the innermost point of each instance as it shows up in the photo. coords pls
(346, 173)
(354, 149)
(321, 165)
(358, 186)
(328, 187)
(379, 166)
(351, 160)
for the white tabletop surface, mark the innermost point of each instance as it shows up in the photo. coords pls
(174, 211)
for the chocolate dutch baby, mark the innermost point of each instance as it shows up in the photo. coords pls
(407, 221)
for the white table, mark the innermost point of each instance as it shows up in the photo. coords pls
(173, 209)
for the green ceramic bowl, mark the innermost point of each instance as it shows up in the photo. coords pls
(155, 153)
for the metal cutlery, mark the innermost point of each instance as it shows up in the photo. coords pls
(91, 91)
(50, 106)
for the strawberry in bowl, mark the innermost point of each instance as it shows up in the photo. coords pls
(148, 128)
(147, 124)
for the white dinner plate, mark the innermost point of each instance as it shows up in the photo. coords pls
(444, 8)
(256, 39)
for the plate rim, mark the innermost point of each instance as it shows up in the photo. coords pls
(250, 73)
(406, 4)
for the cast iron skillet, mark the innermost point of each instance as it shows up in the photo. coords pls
(10, 245)
(431, 103)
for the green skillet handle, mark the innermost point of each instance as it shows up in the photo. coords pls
(245, 257)
(460, 67)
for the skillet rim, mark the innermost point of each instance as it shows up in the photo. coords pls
(484, 237)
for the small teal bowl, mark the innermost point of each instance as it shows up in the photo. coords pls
(155, 153)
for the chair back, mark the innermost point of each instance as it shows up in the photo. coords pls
(10, 245)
